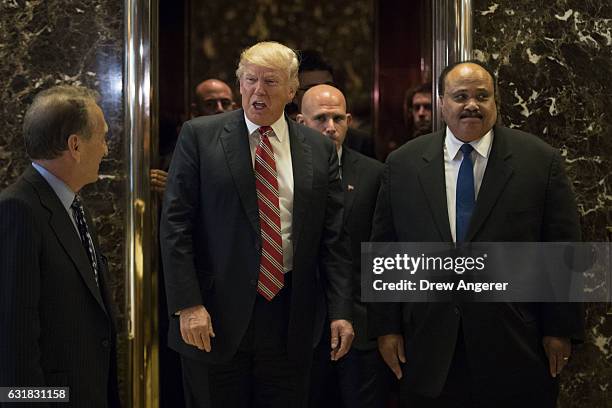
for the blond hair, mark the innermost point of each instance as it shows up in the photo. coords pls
(274, 55)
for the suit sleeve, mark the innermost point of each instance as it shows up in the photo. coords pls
(179, 213)
(384, 318)
(335, 249)
(561, 224)
(19, 296)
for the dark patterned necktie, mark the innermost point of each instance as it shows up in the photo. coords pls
(271, 278)
(466, 197)
(79, 217)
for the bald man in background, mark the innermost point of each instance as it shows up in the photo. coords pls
(212, 96)
(361, 377)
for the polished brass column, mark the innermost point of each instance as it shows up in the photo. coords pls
(452, 41)
(140, 97)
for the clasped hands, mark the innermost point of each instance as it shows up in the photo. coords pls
(197, 330)
(391, 348)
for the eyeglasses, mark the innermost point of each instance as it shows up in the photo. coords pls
(212, 103)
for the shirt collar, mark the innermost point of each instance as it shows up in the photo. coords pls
(340, 155)
(279, 127)
(482, 145)
(63, 192)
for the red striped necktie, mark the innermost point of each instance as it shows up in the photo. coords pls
(271, 279)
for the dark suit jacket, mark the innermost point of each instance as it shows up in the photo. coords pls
(361, 177)
(211, 240)
(525, 196)
(360, 141)
(56, 326)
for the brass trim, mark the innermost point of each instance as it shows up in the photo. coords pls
(452, 41)
(140, 99)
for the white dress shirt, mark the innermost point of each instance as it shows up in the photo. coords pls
(452, 162)
(284, 170)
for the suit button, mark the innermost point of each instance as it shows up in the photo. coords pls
(457, 310)
(105, 343)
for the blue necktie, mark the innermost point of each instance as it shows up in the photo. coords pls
(466, 197)
(79, 217)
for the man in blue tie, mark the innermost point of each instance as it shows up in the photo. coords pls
(475, 181)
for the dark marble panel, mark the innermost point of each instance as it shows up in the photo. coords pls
(49, 42)
(554, 63)
(342, 30)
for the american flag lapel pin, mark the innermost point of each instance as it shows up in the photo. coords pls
(350, 187)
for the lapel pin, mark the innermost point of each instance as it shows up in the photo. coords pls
(350, 187)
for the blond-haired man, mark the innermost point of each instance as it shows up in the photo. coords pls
(252, 246)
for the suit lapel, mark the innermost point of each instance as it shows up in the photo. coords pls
(64, 230)
(301, 159)
(496, 176)
(431, 177)
(235, 142)
(350, 180)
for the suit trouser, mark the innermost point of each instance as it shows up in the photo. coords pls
(360, 379)
(460, 390)
(259, 374)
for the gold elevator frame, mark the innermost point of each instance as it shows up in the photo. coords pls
(452, 34)
(141, 136)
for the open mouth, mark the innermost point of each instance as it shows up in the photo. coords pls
(259, 105)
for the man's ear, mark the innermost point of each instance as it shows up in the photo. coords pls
(292, 93)
(194, 110)
(300, 119)
(74, 146)
(349, 119)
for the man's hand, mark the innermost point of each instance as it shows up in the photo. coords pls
(342, 336)
(558, 350)
(196, 327)
(158, 180)
(391, 348)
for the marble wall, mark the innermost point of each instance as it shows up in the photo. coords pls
(554, 63)
(80, 42)
(342, 30)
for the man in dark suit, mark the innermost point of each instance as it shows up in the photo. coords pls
(361, 377)
(56, 326)
(252, 245)
(515, 189)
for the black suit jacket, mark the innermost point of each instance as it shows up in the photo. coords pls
(525, 196)
(56, 326)
(360, 141)
(211, 240)
(361, 177)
